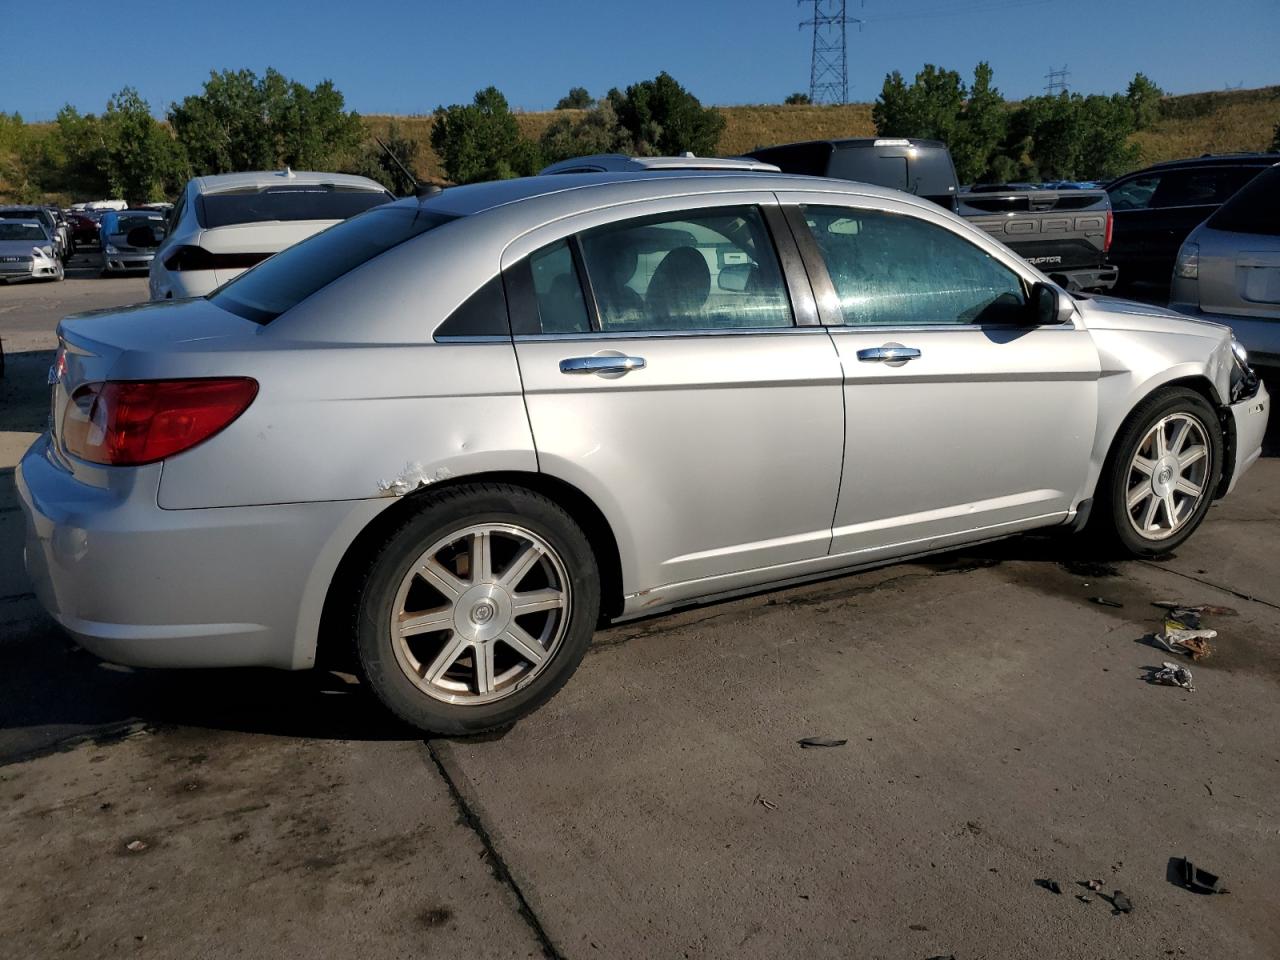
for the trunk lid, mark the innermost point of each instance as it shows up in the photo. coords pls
(91, 345)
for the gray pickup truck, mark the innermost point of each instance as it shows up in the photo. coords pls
(1066, 233)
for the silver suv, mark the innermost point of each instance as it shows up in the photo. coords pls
(446, 437)
(1228, 269)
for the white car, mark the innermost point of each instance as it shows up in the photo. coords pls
(622, 163)
(222, 225)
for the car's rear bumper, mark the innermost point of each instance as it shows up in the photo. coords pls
(1260, 336)
(1250, 419)
(127, 262)
(136, 584)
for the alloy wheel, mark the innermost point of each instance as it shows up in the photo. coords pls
(1168, 476)
(481, 612)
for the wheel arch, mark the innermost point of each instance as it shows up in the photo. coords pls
(333, 645)
(1198, 382)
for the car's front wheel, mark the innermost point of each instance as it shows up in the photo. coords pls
(477, 609)
(1160, 479)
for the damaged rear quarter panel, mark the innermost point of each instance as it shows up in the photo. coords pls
(360, 422)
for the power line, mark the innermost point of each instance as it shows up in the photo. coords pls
(983, 6)
(829, 66)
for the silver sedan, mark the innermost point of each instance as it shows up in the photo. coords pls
(443, 440)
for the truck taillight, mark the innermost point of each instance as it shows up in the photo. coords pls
(1106, 239)
(132, 422)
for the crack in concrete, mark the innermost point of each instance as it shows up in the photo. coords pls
(1210, 583)
(496, 864)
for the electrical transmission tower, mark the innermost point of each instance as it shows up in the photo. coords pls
(829, 69)
(1057, 80)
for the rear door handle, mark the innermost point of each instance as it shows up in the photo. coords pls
(601, 364)
(888, 354)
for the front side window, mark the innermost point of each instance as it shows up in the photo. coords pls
(1134, 194)
(889, 269)
(702, 270)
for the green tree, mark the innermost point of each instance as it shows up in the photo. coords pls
(595, 131)
(481, 140)
(1069, 136)
(143, 162)
(937, 105)
(578, 98)
(660, 117)
(797, 100)
(1143, 98)
(245, 122)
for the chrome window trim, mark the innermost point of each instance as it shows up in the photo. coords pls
(595, 337)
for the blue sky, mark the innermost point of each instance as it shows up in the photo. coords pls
(396, 56)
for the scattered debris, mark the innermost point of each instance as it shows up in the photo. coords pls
(1196, 608)
(1170, 674)
(808, 742)
(1121, 903)
(1083, 899)
(949, 956)
(767, 804)
(1094, 885)
(1196, 879)
(918, 927)
(136, 846)
(1194, 643)
(1051, 885)
(1104, 602)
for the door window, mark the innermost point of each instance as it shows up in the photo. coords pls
(704, 270)
(894, 270)
(1134, 194)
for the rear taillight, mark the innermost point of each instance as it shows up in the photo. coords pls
(131, 422)
(198, 258)
(1106, 239)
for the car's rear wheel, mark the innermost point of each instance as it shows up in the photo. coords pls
(1161, 476)
(477, 609)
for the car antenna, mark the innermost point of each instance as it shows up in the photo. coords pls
(419, 189)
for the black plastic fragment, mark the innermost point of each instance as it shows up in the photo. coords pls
(1104, 602)
(1051, 885)
(808, 742)
(1121, 902)
(1196, 879)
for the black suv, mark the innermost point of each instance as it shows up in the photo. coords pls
(1157, 207)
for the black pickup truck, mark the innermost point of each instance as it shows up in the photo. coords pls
(1065, 233)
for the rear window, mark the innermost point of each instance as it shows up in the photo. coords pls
(313, 201)
(295, 273)
(125, 224)
(1255, 209)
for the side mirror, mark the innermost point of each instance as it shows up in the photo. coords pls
(734, 277)
(1049, 306)
(143, 237)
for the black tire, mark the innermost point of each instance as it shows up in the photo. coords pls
(440, 514)
(1110, 522)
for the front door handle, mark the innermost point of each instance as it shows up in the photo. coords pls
(893, 354)
(601, 364)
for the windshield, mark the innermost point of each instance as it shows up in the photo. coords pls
(288, 278)
(316, 201)
(9, 230)
(27, 214)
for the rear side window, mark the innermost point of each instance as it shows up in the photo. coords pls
(317, 201)
(702, 270)
(894, 270)
(1134, 194)
(1255, 209)
(288, 278)
(1197, 188)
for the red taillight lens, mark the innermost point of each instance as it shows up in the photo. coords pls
(131, 422)
(1106, 240)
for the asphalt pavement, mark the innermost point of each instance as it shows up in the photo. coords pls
(1000, 730)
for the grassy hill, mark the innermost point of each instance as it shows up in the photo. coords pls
(1219, 122)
